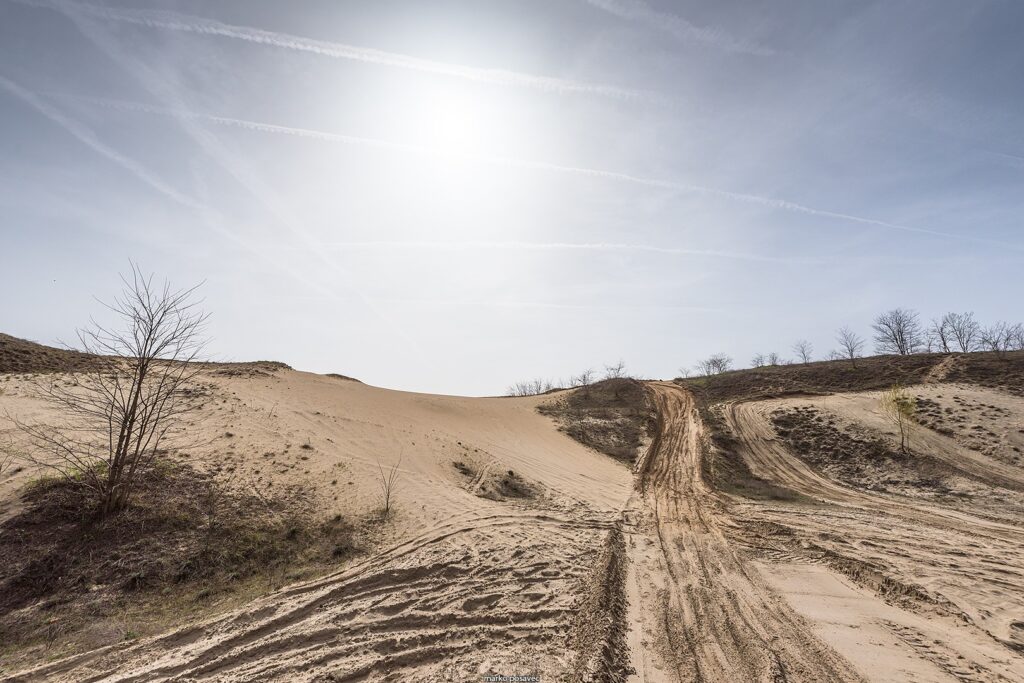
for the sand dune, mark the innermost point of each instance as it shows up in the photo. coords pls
(602, 569)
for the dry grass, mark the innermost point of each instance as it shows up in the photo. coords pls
(991, 370)
(186, 545)
(857, 457)
(20, 355)
(725, 469)
(614, 417)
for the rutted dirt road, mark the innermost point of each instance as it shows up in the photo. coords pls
(954, 569)
(704, 613)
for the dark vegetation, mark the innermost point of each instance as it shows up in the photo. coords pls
(993, 370)
(856, 457)
(184, 541)
(344, 377)
(22, 356)
(879, 372)
(723, 463)
(501, 485)
(998, 371)
(613, 416)
(725, 469)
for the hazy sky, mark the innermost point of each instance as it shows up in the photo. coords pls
(449, 196)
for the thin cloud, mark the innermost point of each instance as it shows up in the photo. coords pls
(84, 135)
(469, 303)
(173, 21)
(758, 200)
(675, 25)
(211, 145)
(558, 246)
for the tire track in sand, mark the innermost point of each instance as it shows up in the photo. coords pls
(704, 614)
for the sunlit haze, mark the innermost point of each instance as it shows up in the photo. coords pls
(452, 196)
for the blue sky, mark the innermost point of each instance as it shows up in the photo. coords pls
(450, 196)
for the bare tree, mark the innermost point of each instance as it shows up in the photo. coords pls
(850, 343)
(129, 406)
(714, 365)
(773, 359)
(803, 351)
(1001, 337)
(940, 335)
(388, 481)
(835, 355)
(963, 330)
(757, 361)
(1016, 337)
(585, 378)
(899, 407)
(615, 371)
(898, 331)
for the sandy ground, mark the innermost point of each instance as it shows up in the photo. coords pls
(848, 585)
(958, 577)
(464, 584)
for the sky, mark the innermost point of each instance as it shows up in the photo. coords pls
(451, 196)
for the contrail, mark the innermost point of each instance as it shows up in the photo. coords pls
(637, 10)
(88, 138)
(632, 306)
(559, 246)
(174, 21)
(759, 200)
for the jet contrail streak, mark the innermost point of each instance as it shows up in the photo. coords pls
(768, 202)
(173, 21)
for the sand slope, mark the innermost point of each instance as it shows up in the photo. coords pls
(845, 584)
(463, 583)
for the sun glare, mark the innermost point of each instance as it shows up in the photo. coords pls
(453, 123)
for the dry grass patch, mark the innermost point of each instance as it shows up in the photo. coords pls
(186, 545)
(615, 417)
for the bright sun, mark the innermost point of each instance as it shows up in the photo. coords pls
(453, 124)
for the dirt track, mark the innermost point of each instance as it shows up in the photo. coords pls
(706, 615)
(957, 576)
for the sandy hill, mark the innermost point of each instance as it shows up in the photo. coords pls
(21, 355)
(759, 525)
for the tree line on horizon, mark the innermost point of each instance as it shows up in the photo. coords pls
(899, 331)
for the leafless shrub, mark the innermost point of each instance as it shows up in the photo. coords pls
(850, 344)
(714, 365)
(530, 387)
(585, 378)
(388, 481)
(117, 417)
(898, 331)
(758, 361)
(616, 371)
(803, 351)
(773, 359)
